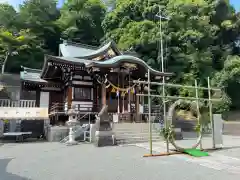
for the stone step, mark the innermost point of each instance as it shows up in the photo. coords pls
(136, 140)
(129, 133)
(132, 131)
(136, 132)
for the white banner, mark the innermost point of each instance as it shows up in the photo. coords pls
(8, 113)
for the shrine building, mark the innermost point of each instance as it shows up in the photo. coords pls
(85, 78)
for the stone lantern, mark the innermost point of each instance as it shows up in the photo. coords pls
(72, 122)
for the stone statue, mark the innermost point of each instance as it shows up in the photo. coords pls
(104, 135)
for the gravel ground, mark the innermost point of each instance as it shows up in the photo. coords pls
(55, 161)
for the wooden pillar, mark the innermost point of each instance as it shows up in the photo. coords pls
(103, 97)
(38, 93)
(95, 98)
(69, 96)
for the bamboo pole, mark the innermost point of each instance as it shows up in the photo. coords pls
(210, 112)
(175, 85)
(178, 97)
(198, 112)
(164, 112)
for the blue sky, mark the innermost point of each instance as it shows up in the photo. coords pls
(15, 3)
(236, 4)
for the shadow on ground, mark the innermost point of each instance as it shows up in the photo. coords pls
(10, 140)
(8, 176)
(224, 148)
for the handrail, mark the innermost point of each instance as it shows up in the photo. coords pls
(61, 107)
(75, 131)
(84, 115)
(17, 103)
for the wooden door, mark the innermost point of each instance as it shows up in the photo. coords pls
(55, 97)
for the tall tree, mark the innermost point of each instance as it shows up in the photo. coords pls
(13, 46)
(39, 17)
(8, 17)
(81, 21)
(191, 35)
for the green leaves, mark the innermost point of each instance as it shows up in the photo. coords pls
(197, 38)
(80, 20)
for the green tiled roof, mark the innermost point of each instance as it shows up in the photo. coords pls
(125, 58)
(10, 79)
(83, 51)
(73, 60)
(33, 75)
(100, 51)
(74, 50)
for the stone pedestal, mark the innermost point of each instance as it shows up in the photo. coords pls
(71, 123)
(104, 138)
(56, 133)
(71, 136)
(115, 118)
(104, 135)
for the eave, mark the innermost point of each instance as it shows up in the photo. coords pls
(102, 50)
(54, 63)
(118, 60)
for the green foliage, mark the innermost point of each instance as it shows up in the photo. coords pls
(200, 38)
(167, 133)
(81, 21)
(8, 16)
(198, 128)
(197, 37)
(40, 17)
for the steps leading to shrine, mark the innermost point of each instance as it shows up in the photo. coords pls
(130, 133)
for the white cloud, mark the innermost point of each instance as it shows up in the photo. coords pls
(14, 3)
(4, 1)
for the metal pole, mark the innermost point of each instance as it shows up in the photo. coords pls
(198, 112)
(129, 94)
(210, 112)
(163, 78)
(123, 95)
(161, 41)
(149, 114)
(118, 108)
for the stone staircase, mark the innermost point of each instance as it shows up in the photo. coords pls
(131, 133)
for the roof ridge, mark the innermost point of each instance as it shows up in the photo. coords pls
(31, 69)
(81, 45)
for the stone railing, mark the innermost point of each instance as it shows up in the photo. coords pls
(20, 103)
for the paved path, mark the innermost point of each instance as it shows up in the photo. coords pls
(226, 160)
(55, 161)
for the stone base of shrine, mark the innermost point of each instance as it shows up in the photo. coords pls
(57, 133)
(104, 138)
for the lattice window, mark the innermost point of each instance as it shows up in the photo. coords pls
(82, 93)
